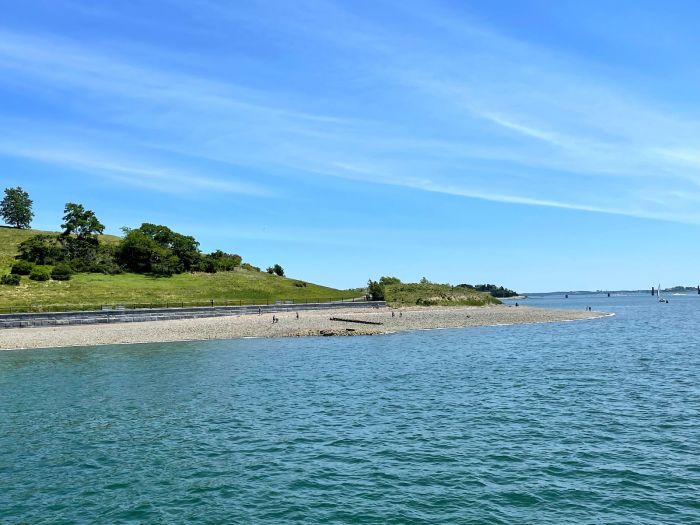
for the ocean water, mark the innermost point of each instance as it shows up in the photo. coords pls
(588, 422)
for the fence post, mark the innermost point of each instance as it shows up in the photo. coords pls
(212, 303)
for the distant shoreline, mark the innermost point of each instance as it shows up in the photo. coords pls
(309, 323)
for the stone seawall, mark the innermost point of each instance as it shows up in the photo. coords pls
(28, 320)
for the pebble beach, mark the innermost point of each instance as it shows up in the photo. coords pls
(309, 323)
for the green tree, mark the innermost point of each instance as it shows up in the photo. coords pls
(80, 230)
(225, 262)
(139, 252)
(16, 208)
(384, 280)
(276, 269)
(184, 247)
(375, 290)
(152, 248)
(80, 222)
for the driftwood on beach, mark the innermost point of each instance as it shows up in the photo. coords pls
(354, 321)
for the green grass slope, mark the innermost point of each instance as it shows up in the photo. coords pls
(431, 294)
(10, 238)
(85, 291)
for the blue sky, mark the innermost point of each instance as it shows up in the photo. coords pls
(540, 145)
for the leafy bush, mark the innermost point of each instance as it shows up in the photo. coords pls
(102, 261)
(225, 262)
(250, 267)
(384, 280)
(40, 273)
(166, 267)
(42, 249)
(375, 290)
(61, 272)
(208, 264)
(276, 270)
(300, 284)
(11, 279)
(22, 268)
(152, 248)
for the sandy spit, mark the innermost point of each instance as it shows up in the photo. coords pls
(309, 323)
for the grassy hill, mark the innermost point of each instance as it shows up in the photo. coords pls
(85, 291)
(431, 294)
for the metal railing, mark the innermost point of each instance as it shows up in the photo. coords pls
(211, 303)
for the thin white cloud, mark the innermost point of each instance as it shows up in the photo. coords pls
(471, 113)
(133, 172)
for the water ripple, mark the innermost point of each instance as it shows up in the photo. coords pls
(591, 422)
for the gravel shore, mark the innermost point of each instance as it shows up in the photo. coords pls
(309, 323)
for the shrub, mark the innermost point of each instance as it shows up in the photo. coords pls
(102, 261)
(157, 249)
(384, 280)
(225, 262)
(61, 272)
(208, 264)
(375, 290)
(40, 273)
(300, 284)
(22, 268)
(11, 279)
(166, 267)
(276, 270)
(42, 249)
(250, 267)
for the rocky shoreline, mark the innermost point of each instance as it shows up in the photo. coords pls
(289, 324)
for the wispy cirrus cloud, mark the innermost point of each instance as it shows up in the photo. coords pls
(449, 106)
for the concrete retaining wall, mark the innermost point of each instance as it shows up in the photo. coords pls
(28, 320)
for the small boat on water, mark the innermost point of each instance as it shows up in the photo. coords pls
(658, 294)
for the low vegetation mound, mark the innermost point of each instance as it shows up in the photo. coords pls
(433, 294)
(426, 293)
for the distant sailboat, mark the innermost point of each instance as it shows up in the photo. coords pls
(658, 293)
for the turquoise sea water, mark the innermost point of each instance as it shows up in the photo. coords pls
(581, 422)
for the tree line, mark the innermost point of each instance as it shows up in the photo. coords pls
(149, 249)
(376, 289)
